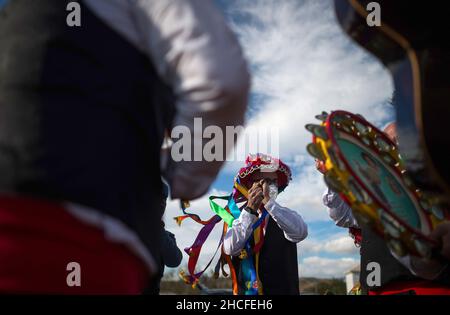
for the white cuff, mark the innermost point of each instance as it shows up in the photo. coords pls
(270, 205)
(247, 219)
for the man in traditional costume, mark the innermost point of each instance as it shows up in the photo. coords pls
(273, 258)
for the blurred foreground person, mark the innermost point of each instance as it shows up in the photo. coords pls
(83, 111)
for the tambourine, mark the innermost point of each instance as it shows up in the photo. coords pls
(364, 166)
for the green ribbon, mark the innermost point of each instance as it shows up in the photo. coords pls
(221, 212)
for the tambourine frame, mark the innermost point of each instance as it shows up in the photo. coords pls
(376, 211)
(362, 184)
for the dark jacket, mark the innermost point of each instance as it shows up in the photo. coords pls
(171, 257)
(278, 264)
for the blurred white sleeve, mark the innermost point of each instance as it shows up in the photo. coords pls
(338, 210)
(292, 224)
(196, 53)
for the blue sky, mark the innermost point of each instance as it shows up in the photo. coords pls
(301, 63)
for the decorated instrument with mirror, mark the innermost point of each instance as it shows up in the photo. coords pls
(364, 166)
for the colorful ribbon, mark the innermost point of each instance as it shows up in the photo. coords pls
(228, 214)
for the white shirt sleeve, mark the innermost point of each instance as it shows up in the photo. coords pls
(201, 59)
(338, 210)
(238, 234)
(198, 56)
(292, 224)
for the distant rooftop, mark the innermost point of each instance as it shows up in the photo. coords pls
(355, 269)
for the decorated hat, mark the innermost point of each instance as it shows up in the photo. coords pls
(264, 162)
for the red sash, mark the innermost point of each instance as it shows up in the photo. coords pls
(38, 239)
(413, 287)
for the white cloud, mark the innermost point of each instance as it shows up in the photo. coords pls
(343, 245)
(320, 267)
(302, 63)
(304, 194)
(338, 244)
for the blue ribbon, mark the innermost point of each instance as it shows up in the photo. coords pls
(234, 209)
(247, 265)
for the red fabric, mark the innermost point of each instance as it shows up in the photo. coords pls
(419, 287)
(356, 234)
(39, 238)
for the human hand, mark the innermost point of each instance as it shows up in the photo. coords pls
(255, 196)
(442, 235)
(320, 166)
(266, 191)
